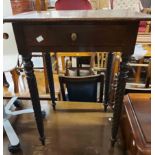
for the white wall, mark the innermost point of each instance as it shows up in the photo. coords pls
(7, 10)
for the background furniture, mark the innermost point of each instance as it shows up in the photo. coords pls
(85, 25)
(12, 136)
(5, 82)
(98, 62)
(10, 59)
(10, 54)
(19, 6)
(144, 27)
(142, 38)
(99, 4)
(146, 3)
(145, 41)
(136, 124)
(82, 89)
(131, 86)
(82, 58)
(62, 55)
(73, 5)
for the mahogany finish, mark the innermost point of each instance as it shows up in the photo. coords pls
(136, 124)
(91, 30)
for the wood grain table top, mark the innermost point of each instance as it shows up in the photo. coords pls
(80, 15)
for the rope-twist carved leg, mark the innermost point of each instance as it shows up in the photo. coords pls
(119, 98)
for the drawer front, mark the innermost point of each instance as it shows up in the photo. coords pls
(78, 36)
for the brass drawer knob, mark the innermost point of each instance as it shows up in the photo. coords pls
(74, 36)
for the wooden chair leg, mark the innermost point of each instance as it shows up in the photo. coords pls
(63, 63)
(67, 68)
(59, 97)
(45, 76)
(148, 76)
(57, 62)
(15, 80)
(5, 82)
(138, 72)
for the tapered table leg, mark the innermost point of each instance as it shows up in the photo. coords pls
(108, 80)
(119, 98)
(50, 77)
(32, 84)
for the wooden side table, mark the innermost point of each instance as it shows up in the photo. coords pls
(93, 30)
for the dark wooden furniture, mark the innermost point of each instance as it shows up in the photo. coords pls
(82, 89)
(93, 30)
(136, 124)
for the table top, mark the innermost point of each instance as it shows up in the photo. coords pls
(80, 15)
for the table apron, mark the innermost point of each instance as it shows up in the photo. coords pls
(68, 38)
